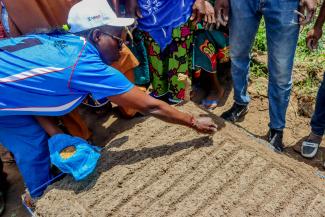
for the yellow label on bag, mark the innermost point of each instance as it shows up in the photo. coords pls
(68, 152)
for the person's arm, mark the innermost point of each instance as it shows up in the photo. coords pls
(307, 9)
(116, 6)
(101, 80)
(315, 34)
(48, 125)
(321, 18)
(132, 9)
(146, 104)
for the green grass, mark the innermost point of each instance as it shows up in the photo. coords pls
(302, 52)
(258, 69)
(308, 86)
(260, 40)
(313, 62)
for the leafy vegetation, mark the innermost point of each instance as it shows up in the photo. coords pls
(309, 65)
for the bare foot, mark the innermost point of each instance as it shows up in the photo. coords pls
(216, 95)
(212, 100)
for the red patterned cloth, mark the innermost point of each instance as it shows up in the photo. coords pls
(2, 32)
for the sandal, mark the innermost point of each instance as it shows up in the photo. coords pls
(28, 202)
(310, 146)
(209, 104)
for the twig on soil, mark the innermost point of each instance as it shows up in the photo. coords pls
(296, 114)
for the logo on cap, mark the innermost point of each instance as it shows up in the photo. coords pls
(94, 17)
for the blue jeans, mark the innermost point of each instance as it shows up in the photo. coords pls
(282, 33)
(26, 139)
(318, 120)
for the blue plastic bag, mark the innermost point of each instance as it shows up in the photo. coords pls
(82, 163)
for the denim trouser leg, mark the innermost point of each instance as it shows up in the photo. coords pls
(282, 35)
(244, 22)
(318, 119)
(26, 139)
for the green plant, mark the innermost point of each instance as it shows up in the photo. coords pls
(308, 64)
(260, 40)
(258, 70)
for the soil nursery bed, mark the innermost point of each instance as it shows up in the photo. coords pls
(157, 169)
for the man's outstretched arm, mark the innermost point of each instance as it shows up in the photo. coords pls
(146, 104)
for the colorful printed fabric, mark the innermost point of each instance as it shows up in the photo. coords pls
(165, 65)
(161, 17)
(211, 48)
(141, 72)
(2, 31)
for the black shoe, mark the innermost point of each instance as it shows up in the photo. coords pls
(235, 112)
(275, 139)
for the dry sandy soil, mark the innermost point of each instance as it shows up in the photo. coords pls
(151, 168)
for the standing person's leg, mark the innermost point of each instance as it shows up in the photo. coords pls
(179, 62)
(216, 90)
(211, 51)
(27, 140)
(310, 146)
(282, 33)
(157, 67)
(318, 120)
(244, 22)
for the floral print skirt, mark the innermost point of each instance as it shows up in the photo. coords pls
(165, 65)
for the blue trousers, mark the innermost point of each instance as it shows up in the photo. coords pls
(282, 33)
(318, 120)
(26, 139)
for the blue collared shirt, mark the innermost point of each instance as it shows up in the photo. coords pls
(52, 74)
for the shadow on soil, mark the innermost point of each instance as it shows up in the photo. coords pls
(129, 157)
(107, 125)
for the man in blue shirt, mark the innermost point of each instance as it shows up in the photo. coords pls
(50, 74)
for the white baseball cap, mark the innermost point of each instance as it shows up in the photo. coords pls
(89, 14)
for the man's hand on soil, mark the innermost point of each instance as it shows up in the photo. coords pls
(307, 8)
(221, 8)
(205, 125)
